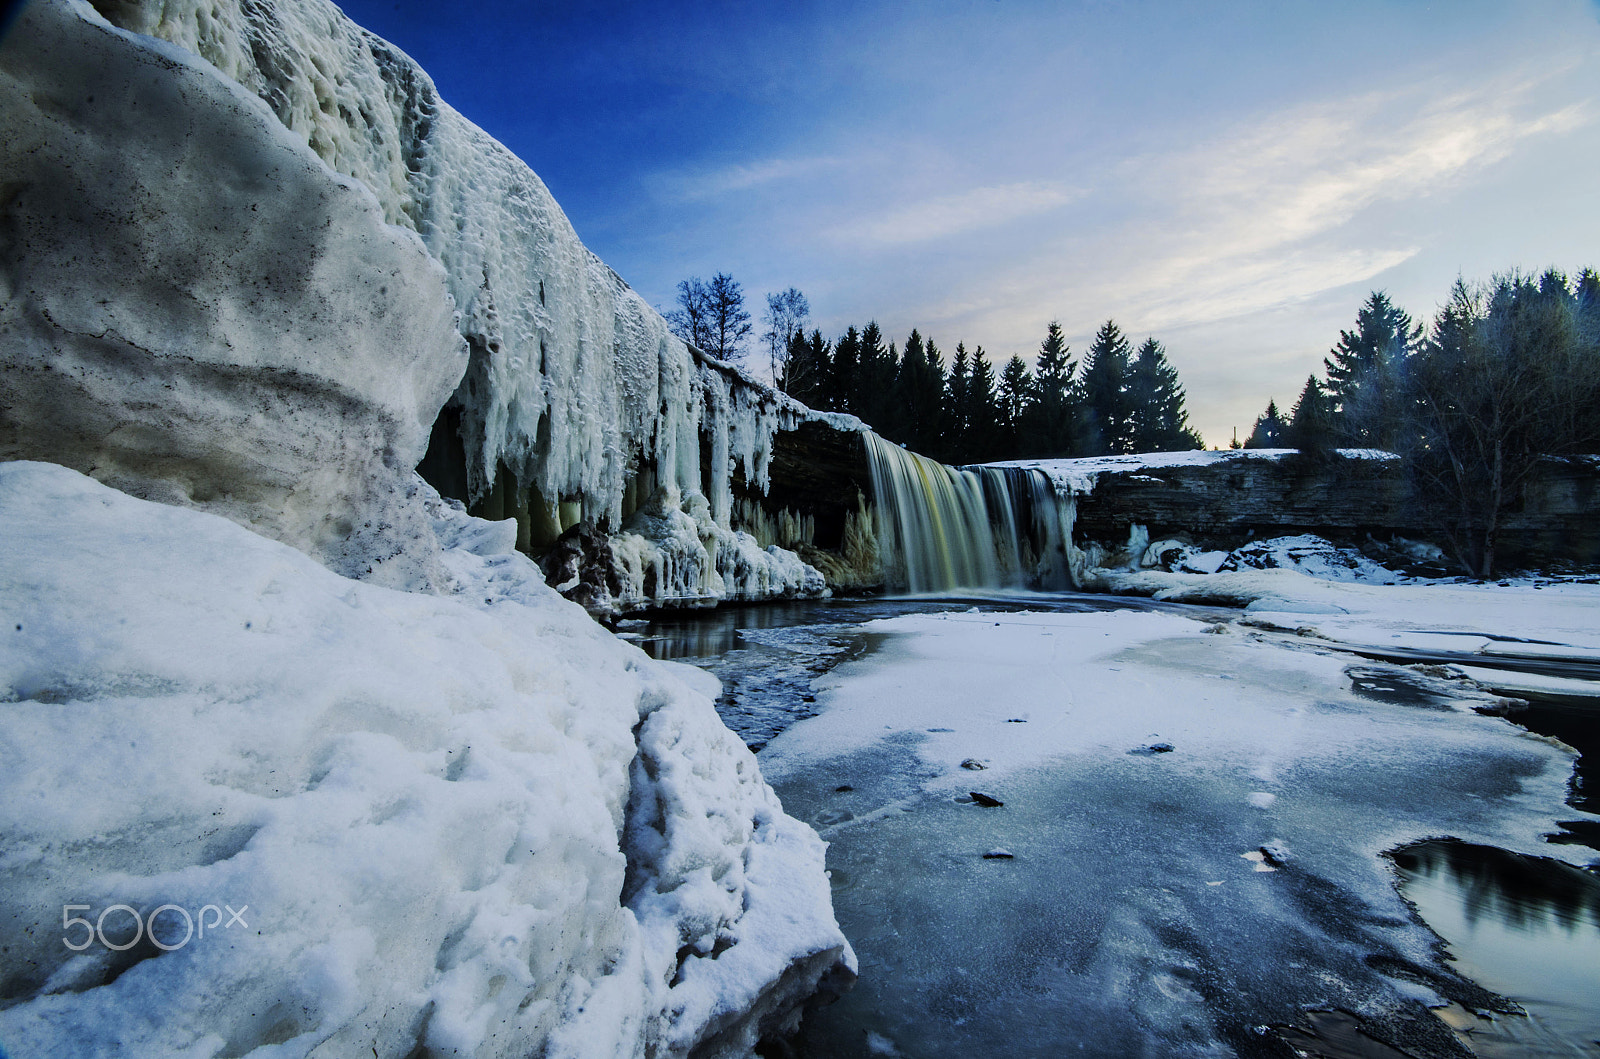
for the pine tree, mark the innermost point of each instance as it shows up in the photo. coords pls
(1365, 374)
(1049, 425)
(1015, 394)
(1311, 423)
(1103, 386)
(1155, 397)
(982, 439)
(1270, 430)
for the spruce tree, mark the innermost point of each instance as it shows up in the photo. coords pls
(927, 408)
(1015, 394)
(1103, 386)
(1269, 431)
(1049, 425)
(805, 370)
(874, 381)
(956, 413)
(915, 413)
(1365, 374)
(1311, 423)
(1155, 398)
(982, 438)
(843, 380)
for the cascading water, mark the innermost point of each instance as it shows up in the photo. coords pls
(942, 528)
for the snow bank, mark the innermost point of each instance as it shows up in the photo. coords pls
(197, 310)
(431, 812)
(575, 384)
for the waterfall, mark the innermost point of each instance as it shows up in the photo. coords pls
(942, 528)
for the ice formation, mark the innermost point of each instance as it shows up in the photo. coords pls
(464, 818)
(434, 808)
(195, 309)
(578, 402)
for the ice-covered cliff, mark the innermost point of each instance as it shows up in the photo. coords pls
(464, 818)
(577, 401)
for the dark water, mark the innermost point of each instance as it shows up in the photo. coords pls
(1527, 928)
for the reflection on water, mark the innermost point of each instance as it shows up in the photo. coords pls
(1526, 927)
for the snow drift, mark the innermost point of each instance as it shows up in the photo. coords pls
(434, 808)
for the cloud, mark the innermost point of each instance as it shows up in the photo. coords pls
(1275, 210)
(702, 184)
(968, 211)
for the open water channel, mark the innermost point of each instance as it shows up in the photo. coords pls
(1126, 920)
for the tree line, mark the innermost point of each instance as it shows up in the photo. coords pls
(1506, 373)
(1117, 400)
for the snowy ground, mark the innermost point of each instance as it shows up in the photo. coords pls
(475, 824)
(1194, 901)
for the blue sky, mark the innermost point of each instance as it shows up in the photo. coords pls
(1232, 178)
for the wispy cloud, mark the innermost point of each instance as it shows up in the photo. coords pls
(1279, 209)
(703, 185)
(964, 212)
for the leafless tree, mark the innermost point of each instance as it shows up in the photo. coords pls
(786, 314)
(1509, 376)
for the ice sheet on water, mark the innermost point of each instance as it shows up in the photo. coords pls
(1130, 918)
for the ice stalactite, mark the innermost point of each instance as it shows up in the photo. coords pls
(575, 387)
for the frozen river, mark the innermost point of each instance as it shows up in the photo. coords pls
(1190, 854)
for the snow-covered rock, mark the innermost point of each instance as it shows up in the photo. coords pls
(194, 308)
(431, 812)
(1311, 555)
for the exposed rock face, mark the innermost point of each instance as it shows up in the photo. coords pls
(1228, 498)
(195, 309)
